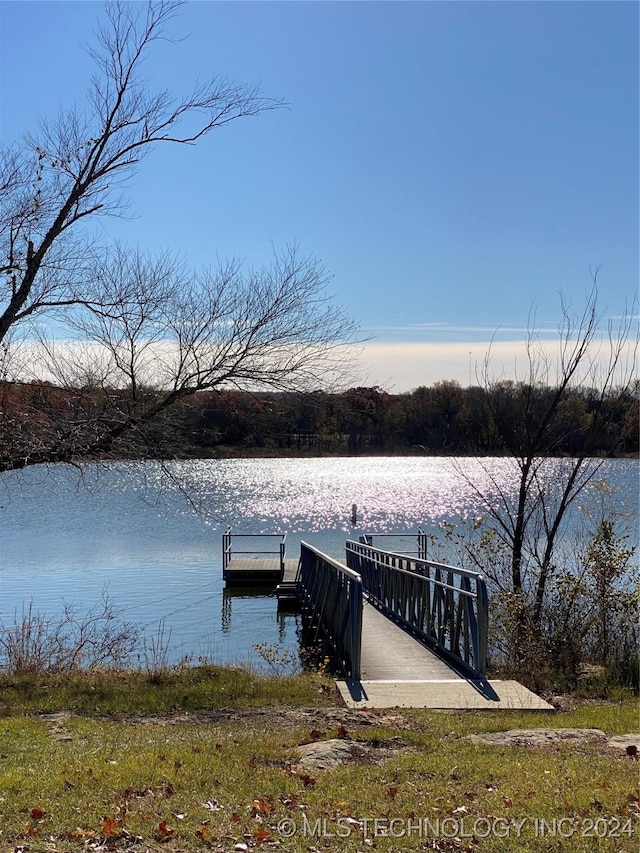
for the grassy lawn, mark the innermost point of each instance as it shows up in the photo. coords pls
(205, 759)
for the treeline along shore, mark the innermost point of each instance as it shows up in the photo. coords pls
(443, 419)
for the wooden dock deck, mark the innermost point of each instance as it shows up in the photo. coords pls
(260, 570)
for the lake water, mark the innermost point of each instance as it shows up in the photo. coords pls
(151, 535)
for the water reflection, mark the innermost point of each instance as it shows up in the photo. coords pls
(66, 534)
(260, 595)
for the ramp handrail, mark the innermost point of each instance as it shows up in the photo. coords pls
(331, 605)
(254, 552)
(420, 537)
(445, 606)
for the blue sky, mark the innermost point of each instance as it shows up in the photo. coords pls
(453, 164)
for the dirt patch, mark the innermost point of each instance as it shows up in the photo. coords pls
(56, 727)
(327, 719)
(336, 725)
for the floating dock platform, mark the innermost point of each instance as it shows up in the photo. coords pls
(260, 571)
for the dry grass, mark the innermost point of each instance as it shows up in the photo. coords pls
(225, 776)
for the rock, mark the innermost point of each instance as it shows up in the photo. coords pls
(562, 702)
(590, 670)
(55, 725)
(539, 737)
(324, 753)
(624, 742)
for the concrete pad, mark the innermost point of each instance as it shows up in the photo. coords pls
(450, 694)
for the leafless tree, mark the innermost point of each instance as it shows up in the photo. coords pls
(533, 417)
(146, 332)
(153, 333)
(76, 166)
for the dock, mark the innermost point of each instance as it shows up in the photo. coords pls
(258, 571)
(398, 671)
(405, 631)
(287, 588)
(257, 559)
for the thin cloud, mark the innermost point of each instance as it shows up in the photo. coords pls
(411, 331)
(421, 332)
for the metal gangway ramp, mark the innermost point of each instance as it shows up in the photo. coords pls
(405, 631)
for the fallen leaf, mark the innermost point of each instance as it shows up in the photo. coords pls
(37, 814)
(307, 781)
(163, 831)
(261, 834)
(111, 827)
(342, 732)
(78, 834)
(260, 806)
(392, 791)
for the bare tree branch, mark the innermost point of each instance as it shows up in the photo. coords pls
(152, 332)
(533, 419)
(70, 170)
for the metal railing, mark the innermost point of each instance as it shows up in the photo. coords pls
(380, 540)
(444, 606)
(228, 552)
(331, 605)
